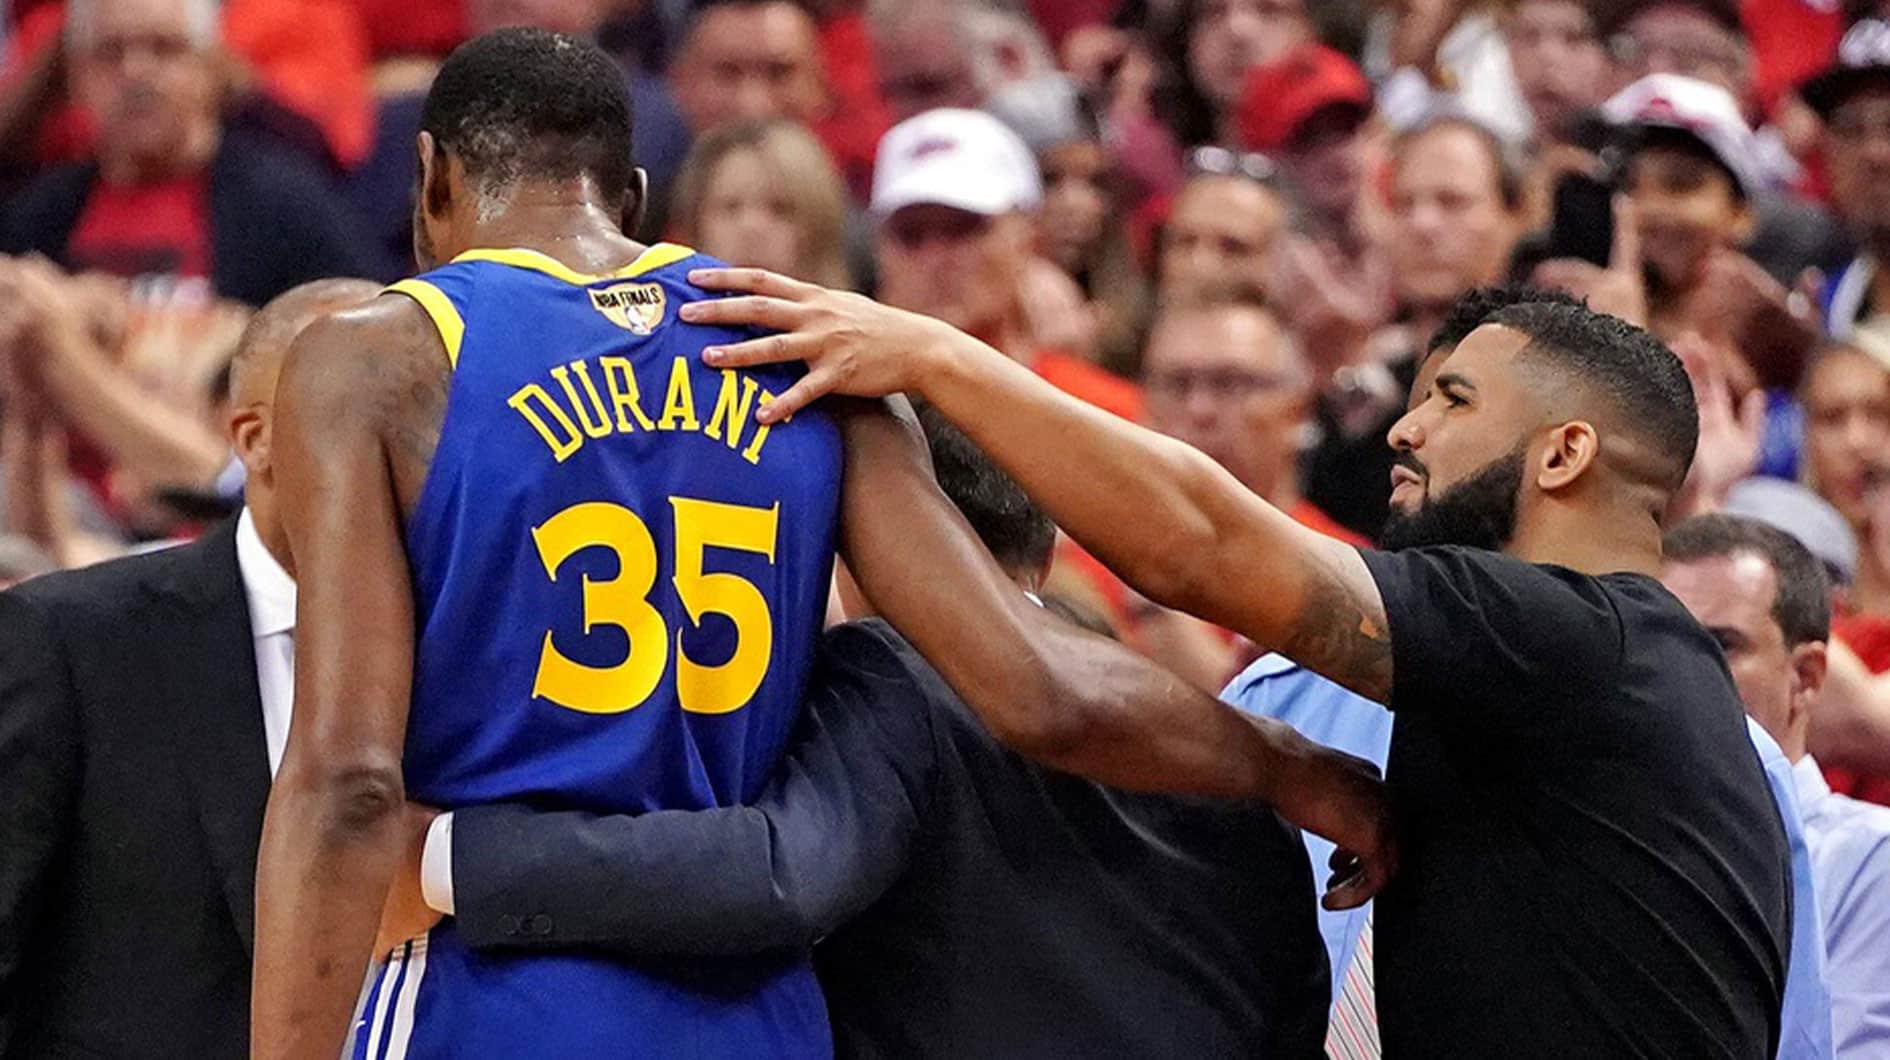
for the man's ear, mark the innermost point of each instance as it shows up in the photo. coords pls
(1810, 661)
(435, 196)
(249, 437)
(636, 202)
(1572, 448)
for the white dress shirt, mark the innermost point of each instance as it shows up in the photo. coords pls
(271, 594)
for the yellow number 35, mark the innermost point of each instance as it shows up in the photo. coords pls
(624, 602)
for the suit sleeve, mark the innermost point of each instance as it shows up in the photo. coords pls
(826, 838)
(39, 764)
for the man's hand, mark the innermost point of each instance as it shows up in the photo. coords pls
(852, 344)
(406, 913)
(1730, 434)
(1620, 289)
(1341, 798)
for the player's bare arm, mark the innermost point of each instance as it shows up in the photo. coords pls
(1171, 522)
(1069, 699)
(359, 407)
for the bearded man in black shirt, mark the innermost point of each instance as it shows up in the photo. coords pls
(1569, 764)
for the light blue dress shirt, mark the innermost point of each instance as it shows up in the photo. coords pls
(1850, 863)
(1276, 687)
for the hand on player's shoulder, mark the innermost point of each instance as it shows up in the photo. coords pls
(851, 344)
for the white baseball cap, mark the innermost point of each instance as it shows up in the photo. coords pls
(1706, 112)
(965, 159)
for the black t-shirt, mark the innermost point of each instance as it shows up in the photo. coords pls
(1593, 865)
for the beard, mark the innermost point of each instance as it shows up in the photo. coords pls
(1479, 512)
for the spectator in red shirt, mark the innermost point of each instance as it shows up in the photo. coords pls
(954, 192)
(171, 192)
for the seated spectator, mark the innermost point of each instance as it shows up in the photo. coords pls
(1704, 40)
(1764, 597)
(1853, 99)
(1224, 228)
(297, 71)
(764, 194)
(952, 53)
(1560, 64)
(170, 192)
(1210, 45)
(1308, 110)
(954, 197)
(1700, 39)
(1846, 399)
(1691, 175)
(748, 59)
(1224, 376)
(923, 55)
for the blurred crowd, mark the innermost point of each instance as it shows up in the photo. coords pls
(1237, 221)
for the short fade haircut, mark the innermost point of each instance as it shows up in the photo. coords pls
(1802, 604)
(1643, 381)
(1017, 532)
(1475, 309)
(528, 103)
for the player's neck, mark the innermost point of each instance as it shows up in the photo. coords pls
(564, 222)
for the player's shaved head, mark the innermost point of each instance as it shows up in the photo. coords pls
(274, 328)
(532, 104)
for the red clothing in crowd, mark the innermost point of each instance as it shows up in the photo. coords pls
(1790, 40)
(150, 228)
(856, 116)
(1869, 637)
(310, 56)
(1080, 378)
(412, 27)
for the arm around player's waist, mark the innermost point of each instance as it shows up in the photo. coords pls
(827, 837)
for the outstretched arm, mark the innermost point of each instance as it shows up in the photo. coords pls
(1173, 523)
(331, 836)
(1071, 700)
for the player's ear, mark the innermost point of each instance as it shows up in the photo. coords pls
(636, 202)
(433, 194)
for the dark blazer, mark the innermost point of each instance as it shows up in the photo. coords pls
(979, 905)
(133, 774)
(275, 221)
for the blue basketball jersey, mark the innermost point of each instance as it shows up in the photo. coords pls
(619, 577)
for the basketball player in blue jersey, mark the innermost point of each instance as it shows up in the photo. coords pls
(546, 555)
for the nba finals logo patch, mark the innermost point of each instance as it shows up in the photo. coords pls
(634, 307)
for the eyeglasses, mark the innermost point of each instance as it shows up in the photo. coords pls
(1222, 384)
(1695, 55)
(1221, 162)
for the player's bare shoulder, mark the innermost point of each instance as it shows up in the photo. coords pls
(380, 368)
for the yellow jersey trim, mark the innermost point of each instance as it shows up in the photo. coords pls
(655, 257)
(440, 308)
